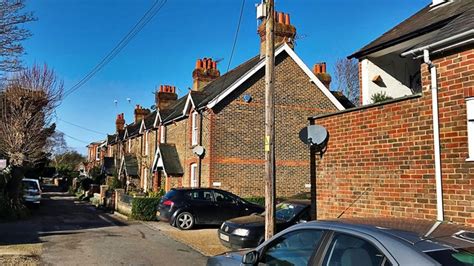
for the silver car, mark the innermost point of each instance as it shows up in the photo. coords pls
(361, 242)
(31, 191)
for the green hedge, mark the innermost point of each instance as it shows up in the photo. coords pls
(144, 208)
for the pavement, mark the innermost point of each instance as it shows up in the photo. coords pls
(203, 239)
(64, 231)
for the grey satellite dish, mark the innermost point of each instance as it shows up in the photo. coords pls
(198, 150)
(316, 136)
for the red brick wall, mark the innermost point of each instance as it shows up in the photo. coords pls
(237, 133)
(388, 149)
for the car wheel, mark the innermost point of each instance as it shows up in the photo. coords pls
(185, 221)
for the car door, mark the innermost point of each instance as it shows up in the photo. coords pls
(345, 250)
(202, 205)
(227, 207)
(296, 247)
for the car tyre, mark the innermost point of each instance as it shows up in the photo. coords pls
(185, 221)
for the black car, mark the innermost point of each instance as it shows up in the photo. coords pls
(185, 207)
(248, 231)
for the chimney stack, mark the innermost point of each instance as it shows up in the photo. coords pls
(284, 32)
(204, 72)
(140, 113)
(319, 71)
(165, 97)
(120, 122)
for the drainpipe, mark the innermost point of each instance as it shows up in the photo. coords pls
(200, 144)
(437, 149)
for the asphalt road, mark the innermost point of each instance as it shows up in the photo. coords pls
(75, 233)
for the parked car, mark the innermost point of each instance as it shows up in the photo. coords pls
(248, 231)
(186, 207)
(31, 191)
(361, 242)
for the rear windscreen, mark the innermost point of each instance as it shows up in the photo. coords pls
(452, 257)
(170, 194)
(29, 185)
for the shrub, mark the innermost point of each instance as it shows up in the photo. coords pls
(144, 208)
(158, 194)
(256, 200)
(115, 183)
(380, 97)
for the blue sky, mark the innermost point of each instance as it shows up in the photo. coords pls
(73, 36)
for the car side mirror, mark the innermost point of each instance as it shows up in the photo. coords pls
(250, 258)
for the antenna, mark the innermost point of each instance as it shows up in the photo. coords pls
(115, 102)
(352, 203)
(129, 100)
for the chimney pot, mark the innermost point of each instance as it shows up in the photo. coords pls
(214, 64)
(280, 17)
(287, 19)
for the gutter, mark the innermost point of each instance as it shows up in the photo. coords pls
(438, 43)
(437, 148)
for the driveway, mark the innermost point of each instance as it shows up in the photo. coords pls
(64, 231)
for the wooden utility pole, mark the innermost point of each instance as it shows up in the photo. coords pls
(269, 122)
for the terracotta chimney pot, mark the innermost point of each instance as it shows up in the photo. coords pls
(287, 19)
(280, 17)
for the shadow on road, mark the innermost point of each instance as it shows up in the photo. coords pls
(59, 214)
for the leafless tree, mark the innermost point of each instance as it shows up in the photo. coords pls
(12, 34)
(346, 73)
(29, 99)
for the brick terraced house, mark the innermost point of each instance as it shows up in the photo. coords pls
(214, 135)
(391, 152)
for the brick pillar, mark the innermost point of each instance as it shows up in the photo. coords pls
(156, 181)
(118, 193)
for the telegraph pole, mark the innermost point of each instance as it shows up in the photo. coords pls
(269, 122)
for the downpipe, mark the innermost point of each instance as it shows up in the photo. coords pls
(437, 148)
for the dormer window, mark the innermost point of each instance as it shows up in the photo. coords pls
(194, 129)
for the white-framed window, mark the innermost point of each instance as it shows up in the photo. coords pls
(470, 126)
(163, 134)
(145, 179)
(97, 153)
(194, 128)
(146, 142)
(194, 176)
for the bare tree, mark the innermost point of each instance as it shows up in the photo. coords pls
(29, 100)
(12, 34)
(346, 73)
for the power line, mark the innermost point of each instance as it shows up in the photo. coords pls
(74, 138)
(151, 12)
(90, 130)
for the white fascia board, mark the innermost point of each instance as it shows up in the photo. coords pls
(125, 135)
(261, 64)
(157, 121)
(189, 103)
(313, 77)
(142, 127)
(158, 160)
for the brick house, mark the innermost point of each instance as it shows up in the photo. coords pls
(389, 151)
(95, 155)
(213, 135)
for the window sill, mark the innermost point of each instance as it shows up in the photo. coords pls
(470, 160)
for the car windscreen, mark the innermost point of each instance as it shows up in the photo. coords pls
(453, 257)
(286, 211)
(27, 185)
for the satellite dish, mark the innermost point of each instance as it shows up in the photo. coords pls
(316, 136)
(198, 150)
(247, 98)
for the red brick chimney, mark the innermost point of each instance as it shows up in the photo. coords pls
(140, 113)
(165, 97)
(284, 32)
(120, 122)
(319, 71)
(205, 72)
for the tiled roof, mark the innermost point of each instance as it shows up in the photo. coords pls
(108, 166)
(343, 99)
(170, 158)
(131, 165)
(111, 139)
(133, 129)
(176, 110)
(449, 19)
(149, 120)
